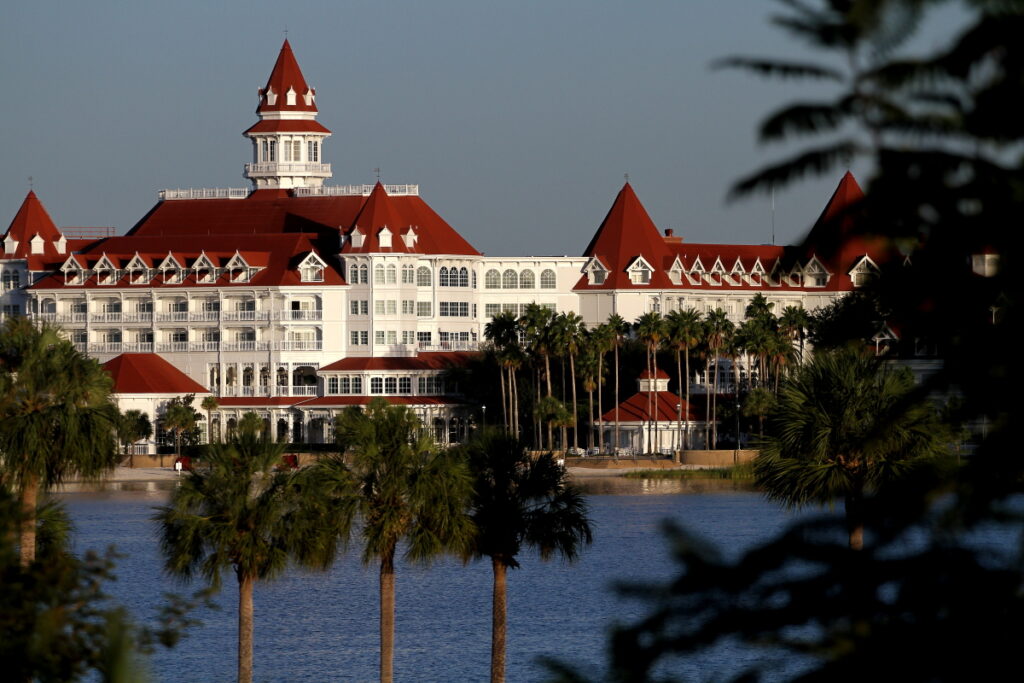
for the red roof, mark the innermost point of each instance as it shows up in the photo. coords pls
(148, 373)
(438, 360)
(30, 221)
(287, 126)
(286, 76)
(634, 409)
(660, 374)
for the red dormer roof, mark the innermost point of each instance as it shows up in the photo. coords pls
(32, 220)
(626, 233)
(148, 373)
(379, 213)
(661, 374)
(286, 76)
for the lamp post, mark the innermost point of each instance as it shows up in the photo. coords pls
(483, 409)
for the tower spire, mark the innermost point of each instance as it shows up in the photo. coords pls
(287, 140)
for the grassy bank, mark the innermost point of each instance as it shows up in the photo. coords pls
(744, 472)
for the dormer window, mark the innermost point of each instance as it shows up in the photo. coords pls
(862, 273)
(675, 273)
(10, 244)
(717, 271)
(62, 245)
(204, 269)
(815, 274)
(309, 97)
(37, 245)
(105, 276)
(595, 271)
(357, 237)
(311, 269)
(74, 274)
(640, 271)
(410, 237)
(384, 238)
(271, 97)
(172, 276)
(290, 97)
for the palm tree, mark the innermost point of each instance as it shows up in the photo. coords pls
(793, 324)
(845, 425)
(517, 502)
(620, 329)
(602, 338)
(407, 490)
(209, 404)
(650, 329)
(589, 367)
(683, 331)
(238, 513)
(719, 328)
(132, 426)
(179, 418)
(503, 333)
(57, 419)
(759, 402)
(536, 322)
(570, 336)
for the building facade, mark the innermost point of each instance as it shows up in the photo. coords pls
(295, 298)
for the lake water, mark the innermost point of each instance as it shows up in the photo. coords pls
(313, 626)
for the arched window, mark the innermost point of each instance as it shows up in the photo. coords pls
(392, 274)
(463, 277)
(547, 279)
(492, 279)
(378, 274)
(527, 280)
(442, 277)
(423, 276)
(509, 279)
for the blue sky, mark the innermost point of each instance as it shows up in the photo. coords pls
(517, 119)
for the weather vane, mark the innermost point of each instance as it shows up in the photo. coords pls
(626, 176)
(30, 182)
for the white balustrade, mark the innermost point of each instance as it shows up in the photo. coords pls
(205, 193)
(355, 191)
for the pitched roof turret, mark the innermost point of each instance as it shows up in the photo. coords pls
(286, 77)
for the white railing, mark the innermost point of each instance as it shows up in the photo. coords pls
(355, 191)
(245, 346)
(144, 317)
(173, 317)
(301, 315)
(451, 346)
(45, 317)
(106, 347)
(244, 315)
(287, 168)
(245, 391)
(299, 345)
(304, 391)
(204, 316)
(203, 346)
(171, 347)
(106, 317)
(205, 193)
(137, 347)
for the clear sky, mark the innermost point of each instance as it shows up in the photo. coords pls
(517, 119)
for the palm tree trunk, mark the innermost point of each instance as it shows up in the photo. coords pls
(562, 432)
(615, 445)
(498, 622)
(504, 398)
(650, 402)
(572, 377)
(547, 377)
(27, 531)
(245, 621)
(590, 418)
(679, 425)
(714, 408)
(514, 401)
(687, 355)
(600, 412)
(387, 616)
(654, 415)
(707, 404)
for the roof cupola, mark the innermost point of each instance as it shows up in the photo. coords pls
(287, 141)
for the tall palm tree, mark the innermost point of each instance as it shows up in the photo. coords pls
(793, 324)
(650, 329)
(238, 513)
(572, 330)
(536, 322)
(407, 490)
(132, 426)
(179, 418)
(844, 425)
(589, 366)
(57, 419)
(209, 404)
(683, 331)
(519, 501)
(719, 328)
(503, 333)
(620, 331)
(602, 339)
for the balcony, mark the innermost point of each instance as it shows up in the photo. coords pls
(451, 346)
(106, 347)
(110, 317)
(301, 315)
(205, 193)
(264, 390)
(299, 345)
(304, 391)
(172, 347)
(245, 346)
(204, 346)
(137, 347)
(244, 316)
(137, 317)
(204, 316)
(172, 317)
(356, 191)
(286, 168)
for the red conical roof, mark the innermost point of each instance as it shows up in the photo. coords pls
(148, 373)
(31, 220)
(627, 232)
(839, 237)
(378, 212)
(286, 76)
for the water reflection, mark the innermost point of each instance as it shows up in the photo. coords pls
(616, 485)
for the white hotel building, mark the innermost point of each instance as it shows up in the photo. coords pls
(294, 298)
